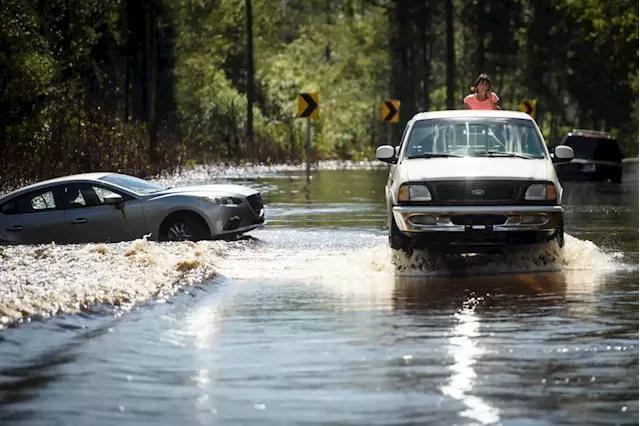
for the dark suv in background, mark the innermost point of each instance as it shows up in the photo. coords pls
(597, 156)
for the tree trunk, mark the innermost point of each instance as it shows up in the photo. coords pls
(553, 131)
(400, 44)
(231, 138)
(481, 17)
(292, 141)
(327, 49)
(137, 60)
(151, 49)
(127, 83)
(250, 81)
(450, 57)
(426, 61)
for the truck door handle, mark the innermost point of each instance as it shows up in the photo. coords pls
(16, 228)
(79, 221)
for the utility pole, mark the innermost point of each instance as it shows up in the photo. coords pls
(250, 82)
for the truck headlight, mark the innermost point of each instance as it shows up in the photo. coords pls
(414, 192)
(541, 191)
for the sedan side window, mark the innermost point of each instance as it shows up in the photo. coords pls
(30, 203)
(72, 197)
(9, 207)
(81, 195)
(101, 192)
(43, 201)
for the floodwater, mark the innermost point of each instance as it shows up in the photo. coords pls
(309, 322)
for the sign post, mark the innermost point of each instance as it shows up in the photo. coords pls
(308, 148)
(308, 107)
(390, 113)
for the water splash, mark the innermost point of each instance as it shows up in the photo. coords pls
(371, 257)
(575, 255)
(51, 279)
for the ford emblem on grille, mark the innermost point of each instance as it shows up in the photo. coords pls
(477, 192)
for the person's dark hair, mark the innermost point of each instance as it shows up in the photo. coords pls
(482, 78)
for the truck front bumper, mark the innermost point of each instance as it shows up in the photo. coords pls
(465, 228)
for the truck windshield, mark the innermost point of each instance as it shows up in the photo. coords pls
(474, 137)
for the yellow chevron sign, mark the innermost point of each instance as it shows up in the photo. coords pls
(308, 105)
(390, 111)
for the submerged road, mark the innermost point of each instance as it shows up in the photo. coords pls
(309, 322)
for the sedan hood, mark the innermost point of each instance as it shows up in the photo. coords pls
(217, 190)
(475, 168)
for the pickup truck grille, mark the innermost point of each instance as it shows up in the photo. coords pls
(255, 201)
(476, 192)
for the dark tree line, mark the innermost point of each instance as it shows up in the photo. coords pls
(150, 85)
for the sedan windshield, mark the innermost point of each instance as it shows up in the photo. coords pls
(137, 185)
(474, 137)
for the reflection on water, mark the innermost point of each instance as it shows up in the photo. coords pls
(465, 352)
(606, 213)
(522, 292)
(527, 342)
(334, 199)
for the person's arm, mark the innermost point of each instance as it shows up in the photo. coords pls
(466, 104)
(493, 103)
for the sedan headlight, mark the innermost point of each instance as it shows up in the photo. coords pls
(414, 192)
(541, 191)
(223, 200)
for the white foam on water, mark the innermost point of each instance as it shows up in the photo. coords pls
(50, 279)
(575, 255)
(372, 268)
(367, 273)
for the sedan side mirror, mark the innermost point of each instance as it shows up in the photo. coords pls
(386, 153)
(562, 154)
(113, 200)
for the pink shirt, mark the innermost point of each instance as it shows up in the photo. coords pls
(474, 103)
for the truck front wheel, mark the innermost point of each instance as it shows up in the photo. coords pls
(397, 240)
(558, 236)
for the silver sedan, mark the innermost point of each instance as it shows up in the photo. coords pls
(110, 207)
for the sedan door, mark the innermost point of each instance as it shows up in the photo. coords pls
(90, 219)
(33, 218)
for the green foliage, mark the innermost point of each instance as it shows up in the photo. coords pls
(346, 61)
(26, 67)
(144, 86)
(609, 32)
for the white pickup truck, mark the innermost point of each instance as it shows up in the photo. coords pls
(472, 181)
